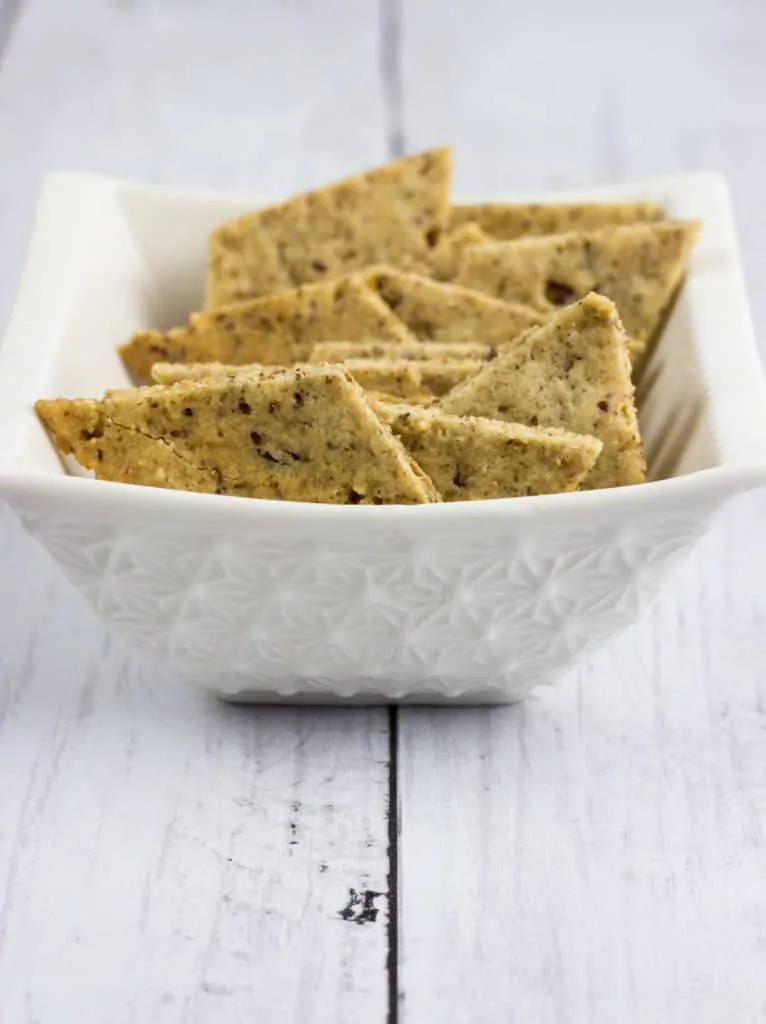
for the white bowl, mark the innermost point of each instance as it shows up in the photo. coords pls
(262, 600)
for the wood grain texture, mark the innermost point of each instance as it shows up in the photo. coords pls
(593, 856)
(593, 92)
(267, 97)
(164, 857)
(597, 855)
(169, 858)
(601, 847)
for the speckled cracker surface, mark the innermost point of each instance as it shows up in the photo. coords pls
(172, 373)
(402, 378)
(515, 220)
(81, 427)
(573, 373)
(296, 435)
(277, 330)
(434, 311)
(469, 458)
(639, 267)
(447, 255)
(393, 214)
(410, 377)
(338, 351)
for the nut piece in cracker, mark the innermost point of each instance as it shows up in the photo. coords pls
(277, 330)
(469, 458)
(506, 221)
(296, 435)
(638, 267)
(434, 311)
(573, 373)
(447, 255)
(393, 214)
(339, 351)
(400, 378)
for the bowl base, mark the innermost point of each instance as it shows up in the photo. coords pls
(426, 699)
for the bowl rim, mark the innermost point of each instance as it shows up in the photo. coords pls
(714, 484)
(733, 373)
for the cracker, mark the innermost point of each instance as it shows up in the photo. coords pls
(172, 373)
(393, 214)
(379, 398)
(80, 427)
(447, 255)
(338, 351)
(506, 221)
(573, 373)
(434, 311)
(470, 458)
(410, 378)
(278, 330)
(402, 378)
(638, 267)
(296, 435)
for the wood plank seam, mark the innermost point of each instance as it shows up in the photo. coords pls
(391, 74)
(246, 830)
(9, 13)
(392, 960)
(393, 109)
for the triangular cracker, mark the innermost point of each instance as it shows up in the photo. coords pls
(338, 351)
(434, 311)
(470, 458)
(506, 221)
(394, 214)
(277, 330)
(403, 378)
(298, 435)
(573, 372)
(447, 255)
(638, 267)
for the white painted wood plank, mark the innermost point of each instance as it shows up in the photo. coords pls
(597, 854)
(163, 857)
(262, 96)
(592, 92)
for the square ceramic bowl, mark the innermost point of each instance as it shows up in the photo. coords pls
(261, 600)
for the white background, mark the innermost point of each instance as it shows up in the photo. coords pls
(595, 855)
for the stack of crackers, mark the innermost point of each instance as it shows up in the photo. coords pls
(372, 343)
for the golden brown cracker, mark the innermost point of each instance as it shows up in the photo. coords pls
(445, 261)
(470, 458)
(297, 435)
(507, 221)
(572, 373)
(338, 351)
(393, 214)
(435, 311)
(404, 378)
(277, 330)
(638, 267)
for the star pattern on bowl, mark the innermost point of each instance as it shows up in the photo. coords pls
(371, 614)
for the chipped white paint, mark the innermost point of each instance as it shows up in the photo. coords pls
(593, 856)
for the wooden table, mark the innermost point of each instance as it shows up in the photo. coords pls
(595, 855)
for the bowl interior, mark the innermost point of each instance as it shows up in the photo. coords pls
(138, 261)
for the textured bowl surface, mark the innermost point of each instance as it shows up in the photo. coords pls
(258, 600)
